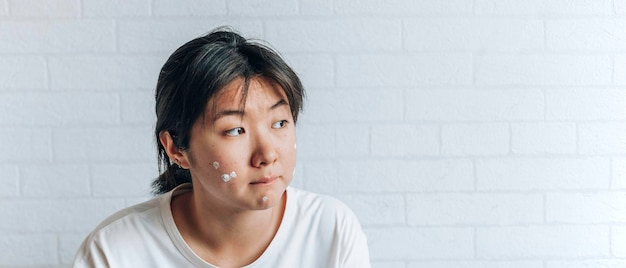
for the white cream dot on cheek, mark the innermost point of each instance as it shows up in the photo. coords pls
(216, 164)
(228, 177)
(265, 198)
(295, 146)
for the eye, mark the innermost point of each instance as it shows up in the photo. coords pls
(280, 124)
(235, 132)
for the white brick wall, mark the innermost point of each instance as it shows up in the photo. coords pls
(484, 133)
(563, 241)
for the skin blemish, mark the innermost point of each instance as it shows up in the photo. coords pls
(216, 164)
(265, 198)
(228, 177)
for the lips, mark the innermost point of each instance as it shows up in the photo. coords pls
(264, 180)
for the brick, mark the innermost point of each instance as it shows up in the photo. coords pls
(55, 181)
(405, 140)
(119, 144)
(138, 107)
(334, 35)
(25, 145)
(451, 34)
(477, 264)
(586, 104)
(475, 105)
(543, 69)
(262, 7)
(352, 140)
(543, 138)
(542, 173)
(189, 8)
(376, 209)
(384, 264)
(59, 109)
(620, 6)
(585, 34)
(561, 241)
(586, 208)
(541, 7)
(475, 139)
(402, 7)
(107, 9)
(55, 215)
(602, 138)
(4, 8)
(57, 36)
(619, 73)
(9, 181)
(68, 246)
(600, 263)
(305, 117)
(123, 180)
(22, 72)
(45, 8)
(371, 70)
(618, 241)
(320, 176)
(343, 106)
(403, 243)
(619, 173)
(405, 175)
(473, 209)
(315, 141)
(314, 70)
(165, 35)
(28, 249)
(316, 7)
(96, 72)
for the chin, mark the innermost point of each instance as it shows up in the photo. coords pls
(271, 198)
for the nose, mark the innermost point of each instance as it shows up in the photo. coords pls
(264, 153)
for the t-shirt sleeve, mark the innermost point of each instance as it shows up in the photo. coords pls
(89, 255)
(353, 249)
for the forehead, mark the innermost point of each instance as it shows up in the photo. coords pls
(237, 95)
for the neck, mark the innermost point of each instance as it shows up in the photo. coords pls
(221, 234)
(224, 224)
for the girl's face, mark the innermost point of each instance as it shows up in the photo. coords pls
(243, 159)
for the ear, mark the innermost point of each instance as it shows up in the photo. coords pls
(174, 153)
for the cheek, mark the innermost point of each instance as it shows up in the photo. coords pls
(226, 154)
(225, 165)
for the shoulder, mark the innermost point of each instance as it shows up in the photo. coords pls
(133, 212)
(324, 211)
(131, 217)
(332, 225)
(112, 235)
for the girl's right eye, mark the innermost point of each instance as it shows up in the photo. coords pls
(235, 132)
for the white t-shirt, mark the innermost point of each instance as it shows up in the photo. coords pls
(316, 231)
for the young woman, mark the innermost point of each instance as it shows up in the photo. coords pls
(226, 113)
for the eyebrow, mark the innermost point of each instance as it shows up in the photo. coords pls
(240, 113)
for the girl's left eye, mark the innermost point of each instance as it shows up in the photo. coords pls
(280, 124)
